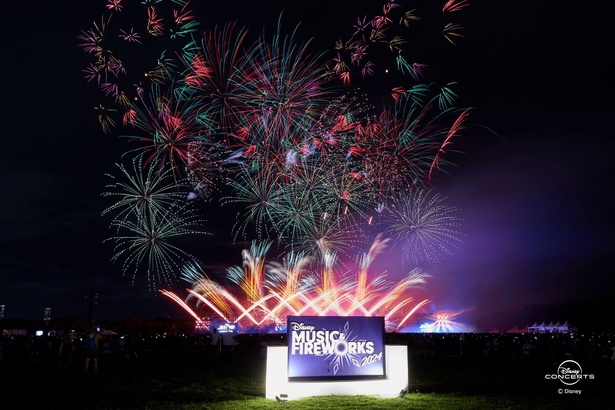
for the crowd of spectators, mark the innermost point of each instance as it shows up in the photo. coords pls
(65, 349)
(594, 351)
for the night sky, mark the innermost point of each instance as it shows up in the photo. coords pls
(533, 182)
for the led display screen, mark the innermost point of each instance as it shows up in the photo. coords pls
(335, 347)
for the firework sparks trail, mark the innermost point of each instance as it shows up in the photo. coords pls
(384, 40)
(181, 303)
(114, 41)
(272, 291)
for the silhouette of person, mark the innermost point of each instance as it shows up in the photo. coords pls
(215, 344)
(92, 340)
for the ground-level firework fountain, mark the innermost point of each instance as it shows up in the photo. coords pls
(269, 292)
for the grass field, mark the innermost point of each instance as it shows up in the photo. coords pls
(165, 380)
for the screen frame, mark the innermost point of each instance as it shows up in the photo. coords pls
(336, 322)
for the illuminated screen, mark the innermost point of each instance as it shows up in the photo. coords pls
(335, 347)
(227, 328)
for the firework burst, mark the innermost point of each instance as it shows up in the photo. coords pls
(424, 226)
(143, 189)
(147, 243)
(150, 214)
(176, 132)
(283, 134)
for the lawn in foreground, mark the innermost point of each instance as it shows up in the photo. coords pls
(167, 381)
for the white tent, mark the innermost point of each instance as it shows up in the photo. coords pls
(567, 327)
(551, 328)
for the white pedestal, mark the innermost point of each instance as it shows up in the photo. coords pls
(277, 378)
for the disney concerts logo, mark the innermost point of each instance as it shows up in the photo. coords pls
(569, 373)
